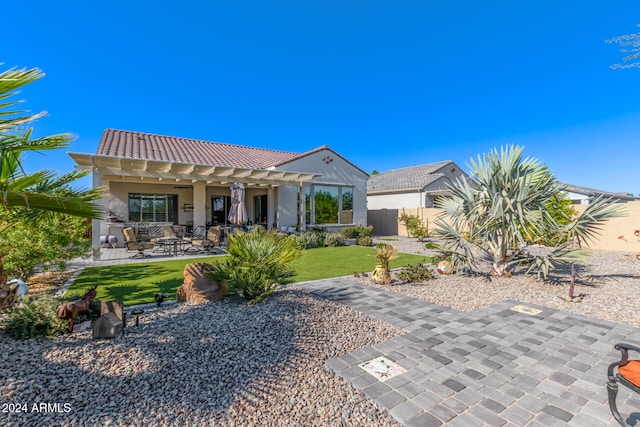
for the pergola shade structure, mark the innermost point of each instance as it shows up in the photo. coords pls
(112, 168)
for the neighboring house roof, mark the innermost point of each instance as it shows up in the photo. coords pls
(413, 178)
(591, 192)
(139, 145)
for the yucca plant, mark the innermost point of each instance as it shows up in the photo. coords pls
(385, 253)
(258, 262)
(502, 210)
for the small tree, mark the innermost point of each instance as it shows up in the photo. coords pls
(502, 210)
(414, 225)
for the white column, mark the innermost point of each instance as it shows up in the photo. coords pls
(96, 225)
(301, 212)
(199, 203)
(271, 212)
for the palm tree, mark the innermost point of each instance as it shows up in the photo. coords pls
(29, 196)
(501, 212)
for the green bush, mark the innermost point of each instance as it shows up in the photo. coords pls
(258, 262)
(35, 318)
(349, 232)
(353, 232)
(309, 239)
(48, 243)
(414, 226)
(416, 273)
(333, 239)
(364, 241)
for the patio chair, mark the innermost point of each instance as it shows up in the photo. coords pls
(136, 245)
(199, 240)
(625, 372)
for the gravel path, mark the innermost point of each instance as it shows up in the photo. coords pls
(611, 284)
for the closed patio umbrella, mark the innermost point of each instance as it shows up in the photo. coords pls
(238, 211)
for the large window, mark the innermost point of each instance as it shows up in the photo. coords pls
(328, 204)
(153, 207)
(220, 209)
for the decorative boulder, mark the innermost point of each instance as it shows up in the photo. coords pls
(198, 288)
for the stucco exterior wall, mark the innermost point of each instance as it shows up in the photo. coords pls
(609, 238)
(335, 171)
(394, 201)
(414, 198)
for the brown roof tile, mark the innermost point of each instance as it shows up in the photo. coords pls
(139, 145)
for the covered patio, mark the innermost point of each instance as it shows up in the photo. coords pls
(199, 194)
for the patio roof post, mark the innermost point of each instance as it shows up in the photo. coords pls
(199, 203)
(96, 225)
(271, 212)
(301, 209)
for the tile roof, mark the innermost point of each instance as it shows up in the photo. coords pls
(410, 178)
(139, 145)
(592, 192)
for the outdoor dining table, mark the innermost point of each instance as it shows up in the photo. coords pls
(172, 241)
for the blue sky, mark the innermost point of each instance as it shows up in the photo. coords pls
(387, 84)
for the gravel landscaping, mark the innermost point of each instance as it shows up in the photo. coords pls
(227, 364)
(610, 285)
(216, 364)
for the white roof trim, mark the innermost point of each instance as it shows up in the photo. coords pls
(122, 169)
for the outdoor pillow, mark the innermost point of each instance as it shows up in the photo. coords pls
(631, 372)
(167, 230)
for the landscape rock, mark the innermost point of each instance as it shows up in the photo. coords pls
(197, 287)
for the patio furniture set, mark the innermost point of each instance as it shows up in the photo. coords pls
(141, 239)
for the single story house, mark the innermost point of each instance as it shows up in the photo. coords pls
(166, 179)
(584, 195)
(411, 187)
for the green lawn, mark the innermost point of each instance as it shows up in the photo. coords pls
(138, 283)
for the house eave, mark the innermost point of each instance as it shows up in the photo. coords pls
(158, 171)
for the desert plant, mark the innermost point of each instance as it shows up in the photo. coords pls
(258, 262)
(349, 232)
(416, 273)
(385, 253)
(333, 239)
(501, 211)
(414, 225)
(47, 244)
(353, 232)
(364, 241)
(34, 318)
(309, 239)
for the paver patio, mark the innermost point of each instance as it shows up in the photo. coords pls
(498, 366)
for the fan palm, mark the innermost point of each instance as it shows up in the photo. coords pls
(502, 210)
(29, 196)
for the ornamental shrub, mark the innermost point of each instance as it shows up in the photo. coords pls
(333, 239)
(259, 261)
(353, 232)
(416, 273)
(309, 239)
(34, 318)
(364, 241)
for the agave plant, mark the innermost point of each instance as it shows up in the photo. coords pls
(258, 262)
(501, 212)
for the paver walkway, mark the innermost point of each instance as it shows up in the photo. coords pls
(494, 367)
